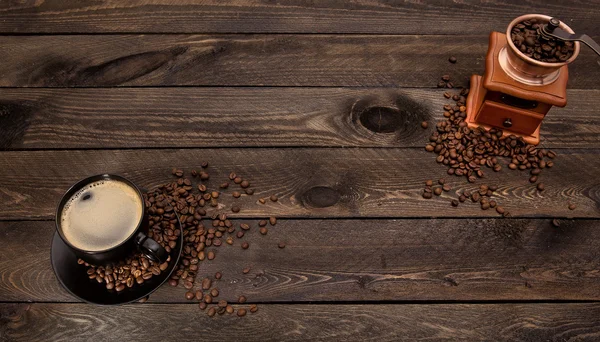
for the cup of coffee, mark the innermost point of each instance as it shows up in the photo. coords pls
(103, 219)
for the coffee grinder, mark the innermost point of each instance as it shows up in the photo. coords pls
(517, 91)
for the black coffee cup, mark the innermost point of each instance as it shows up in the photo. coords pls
(136, 240)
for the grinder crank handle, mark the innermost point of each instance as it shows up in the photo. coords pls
(552, 30)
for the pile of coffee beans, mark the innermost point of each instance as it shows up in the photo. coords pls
(468, 152)
(127, 273)
(526, 38)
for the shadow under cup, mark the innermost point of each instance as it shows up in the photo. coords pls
(136, 240)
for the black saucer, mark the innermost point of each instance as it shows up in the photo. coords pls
(74, 279)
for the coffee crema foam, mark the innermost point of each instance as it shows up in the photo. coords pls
(101, 215)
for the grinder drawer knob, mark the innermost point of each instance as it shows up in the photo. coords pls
(507, 123)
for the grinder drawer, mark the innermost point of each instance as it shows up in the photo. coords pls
(510, 118)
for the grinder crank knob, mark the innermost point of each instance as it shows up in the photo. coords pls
(553, 24)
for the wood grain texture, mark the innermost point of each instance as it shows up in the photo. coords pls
(359, 182)
(247, 117)
(360, 260)
(324, 16)
(251, 60)
(143, 322)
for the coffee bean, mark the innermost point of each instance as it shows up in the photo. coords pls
(242, 299)
(210, 255)
(235, 209)
(218, 275)
(454, 203)
(272, 220)
(262, 200)
(211, 312)
(202, 305)
(120, 287)
(240, 235)
(485, 206)
(232, 176)
(556, 223)
(475, 197)
(493, 204)
(536, 172)
(500, 210)
(541, 187)
(572, 206)
(452, 59)
(244, 226)
(446, 187)
(274, 198)
(262, 223)
(429, 182)
(189, 295)
(214, 292)
(206, 282)
(204, 164)
(236, 194)
(110, 285)
(224, 185)
(281, 244)
(424, 124)
(241, 312)
(237, 180)
(222, 304)
(198, 295)
(264, 230)
(204, 176)
(447, 95)
(244, 184)
(533, 179)
(253, 308)
(188, 285)
(173, 282)
(229, 309)
(462, 198)
(429, 148)
(437, 191)
(246, 270)
(208, 298)
(245, 245)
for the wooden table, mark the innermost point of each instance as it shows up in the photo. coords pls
(277, 91)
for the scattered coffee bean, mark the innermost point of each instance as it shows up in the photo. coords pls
(556, 223)
(446, 187)
(237, 180)
(206, 282)
(235, 209)
(424, 124)
(244, 184)
(241, 312)
(211, 312)
(274, 198)
(454, 203)
(242, 299)
(262, 223)
(437, 191)
(249, 192)
(264, 230)
(427, 195)
(246, 270)
(572, 206)
(202, 305)
(272, 220)
(229, 309)
(541, 187)
(236, 194)
(429, 182)
(245, 245)
(189, 295)
(214, 292)
(533, 179)
(199, 295)
(452, 59)
(262, 200)
(218, 275)
(281, 245)
(210, 255)
(224, 185)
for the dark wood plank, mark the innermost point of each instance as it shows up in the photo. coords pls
(228, 117)
(310, 182)
(487, 322)
(250, 60)
(324, 16)
(360, 260)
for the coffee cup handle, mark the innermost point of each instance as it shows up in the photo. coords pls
(150, 248)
